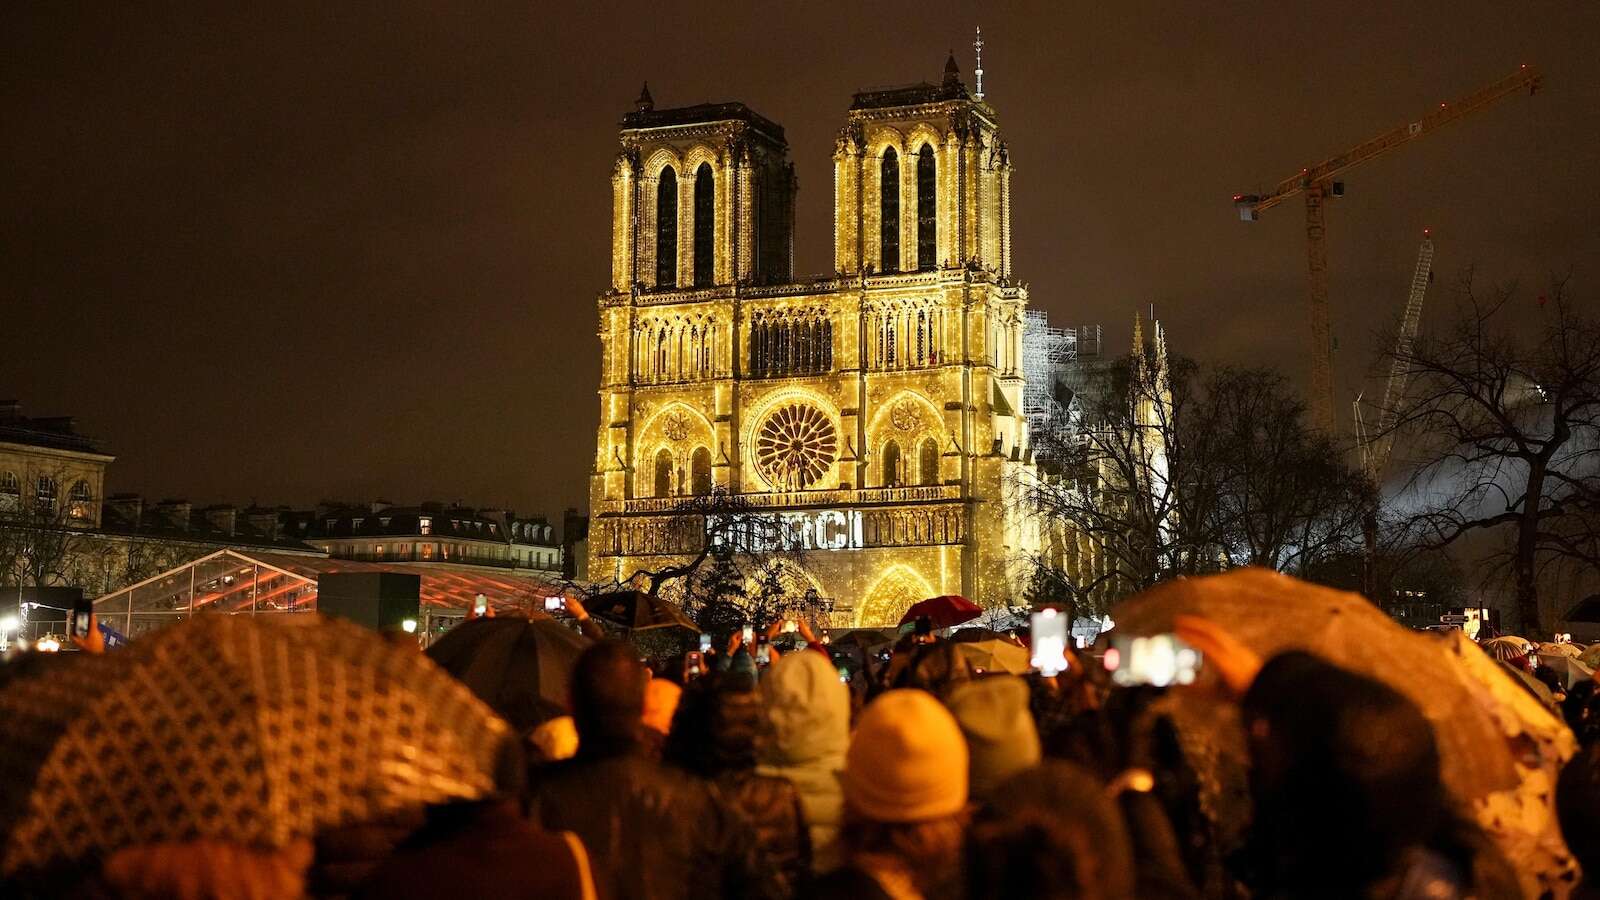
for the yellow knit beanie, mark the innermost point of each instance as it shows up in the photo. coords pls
(907, 760)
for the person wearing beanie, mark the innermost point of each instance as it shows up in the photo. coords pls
(1001, 737)
(905, 799)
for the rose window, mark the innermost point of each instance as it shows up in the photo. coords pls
(795, 445)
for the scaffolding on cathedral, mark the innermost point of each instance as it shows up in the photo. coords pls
(1046, 354)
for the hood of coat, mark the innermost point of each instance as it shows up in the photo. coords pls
(809, 711)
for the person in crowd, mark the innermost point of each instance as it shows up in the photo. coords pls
(909, 652)
(653, 832)
(660, 704)
(553, 740)
(1050, 833)
(905, 795)
(808, 717)
(1345, 786)
(1578, 808)
(715, 736)
(483, 849)
(1001, 738)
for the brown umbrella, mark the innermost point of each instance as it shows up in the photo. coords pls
(1271, 613)
(995, 655)
(248, 730)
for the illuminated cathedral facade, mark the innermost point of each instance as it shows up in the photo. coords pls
(877, 411)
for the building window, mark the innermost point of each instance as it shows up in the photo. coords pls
(79, 500)
(425, 525)
(927, 211)
(928, 461)
(700, 468)
(891, 464)
(45, 494)
(664, 473)
(378, 551)
(889, 211)
(705, 219)
(384, 522)
(667, 228)
(357, 523)
(10, 492)
(427, 551)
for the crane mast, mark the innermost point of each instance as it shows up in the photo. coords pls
(1319, 184)
(1375, 450)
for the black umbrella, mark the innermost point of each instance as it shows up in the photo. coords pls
(520, 667)
(638, 610)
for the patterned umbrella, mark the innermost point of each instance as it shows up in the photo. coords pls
(1507, 647)
(638, 610)
(250, 730)
(945, 612)
(1572, 650)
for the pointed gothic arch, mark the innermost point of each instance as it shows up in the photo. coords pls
(927, 210)
(667, 228)
(928, 461)
(663, 473)
(889, 469)
(889, 598)
(700, 471)
(889, 211)
(705, 226)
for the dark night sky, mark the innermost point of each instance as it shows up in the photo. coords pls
(285, 254)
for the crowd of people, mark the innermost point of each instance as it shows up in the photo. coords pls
(754, 772)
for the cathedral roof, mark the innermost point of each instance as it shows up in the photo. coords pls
(910, 95)
(702, 113)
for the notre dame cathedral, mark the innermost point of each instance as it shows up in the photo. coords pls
(876, 410)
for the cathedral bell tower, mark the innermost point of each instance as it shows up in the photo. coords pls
(701, 196)
(922, 181)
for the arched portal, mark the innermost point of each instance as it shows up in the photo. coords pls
(893, 593)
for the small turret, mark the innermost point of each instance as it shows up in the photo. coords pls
(645, 103)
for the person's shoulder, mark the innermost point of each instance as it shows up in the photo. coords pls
(847, 883)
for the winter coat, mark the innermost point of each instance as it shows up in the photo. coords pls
(771, 808)
(808, 710)
(653, 832)
(484, 850)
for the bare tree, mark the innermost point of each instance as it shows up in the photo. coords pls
(1215, 468)
(40, 527)
(1502, 410)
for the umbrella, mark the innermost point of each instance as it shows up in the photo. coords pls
(865, 638)
(521, 667)
(1507, 647)
(638, 610)
(1591, 656)
(253, 730)
(1271, 613)
(1570, 670)
(996, 656)
(1475, 707)
(945, 612)
(978, 633)
(1572, 650)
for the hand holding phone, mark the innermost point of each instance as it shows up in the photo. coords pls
(1159, 660)
(82, 613)
(551, 604)
(1049, 641)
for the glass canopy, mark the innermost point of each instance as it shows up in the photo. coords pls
(231, 581)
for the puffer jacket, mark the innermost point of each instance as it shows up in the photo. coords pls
(808, 710)
(653, 832)
(715, 734)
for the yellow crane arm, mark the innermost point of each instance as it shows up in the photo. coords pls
(1525, 78)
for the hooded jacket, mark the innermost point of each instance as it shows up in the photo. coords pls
(808, 709)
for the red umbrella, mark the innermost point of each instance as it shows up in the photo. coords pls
(945, 612)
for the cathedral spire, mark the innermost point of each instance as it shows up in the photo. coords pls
(645, 103)
(977, 70)
(952, 72)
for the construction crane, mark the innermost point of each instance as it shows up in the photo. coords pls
(1375, 448)
(1319, 182)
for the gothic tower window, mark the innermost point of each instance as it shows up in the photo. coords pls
(667, 228)
(889, 212)
(704, 222)
(663, 472)
(700, 471)
(928, 461)
(891, 464)
(927, 215)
